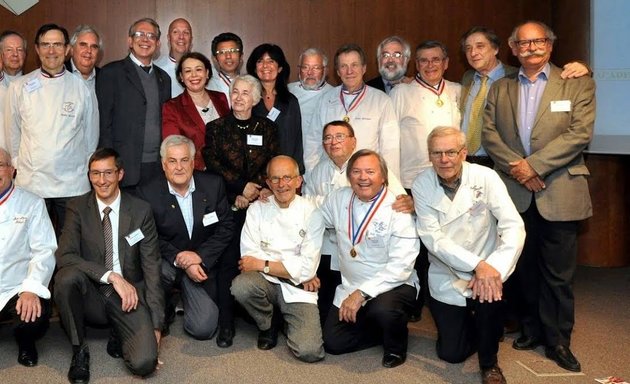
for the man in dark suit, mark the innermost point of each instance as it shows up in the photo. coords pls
(109, 271)
(130, 95)
(535, 128)
(194, 225)
(85, 48)
(392, 56)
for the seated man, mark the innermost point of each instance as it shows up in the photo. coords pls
(377, 247)
(27, 262)
(191, 247)
(280, 246)
(109, 271)
(474, 235)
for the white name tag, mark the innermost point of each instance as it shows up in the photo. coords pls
(273, 114)
(32, 85)
(255, 140)
(134, 237)
(561, 106)
(210, 218)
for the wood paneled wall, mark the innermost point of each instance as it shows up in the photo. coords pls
(298, 24)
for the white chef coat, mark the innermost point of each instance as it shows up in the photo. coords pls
(481, 223)
(290, 235)
(418, 114)
(52, 129)
(3, 93)
(309, 100)
(374, 122)
(27, 253)
(169, 65)
(220, 82)
(386, 254)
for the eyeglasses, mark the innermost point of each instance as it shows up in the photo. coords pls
(434, 61)
(108, 173)
(451, 154)
(276, 179)
(227, 50)
(148, 35)
(538, 43)
(56, 45)
(395, 55)
(307, 68)
(339, 137)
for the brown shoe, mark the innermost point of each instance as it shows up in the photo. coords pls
(492, 375)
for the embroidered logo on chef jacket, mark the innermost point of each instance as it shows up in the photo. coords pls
(68, 109)
(19, 219)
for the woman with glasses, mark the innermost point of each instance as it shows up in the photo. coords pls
(268, 64)
(238, 147)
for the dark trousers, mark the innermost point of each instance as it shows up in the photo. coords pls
(27, 332)
(56, 207)
(382, 319)
(80, 302)
(329, 281)
(544, 277)
(464, 330)
(228, 270)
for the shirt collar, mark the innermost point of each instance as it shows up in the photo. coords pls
(115, 205)
(498, 72)
(76, 71)
(544, 74)
(191, 189)
(138, 62)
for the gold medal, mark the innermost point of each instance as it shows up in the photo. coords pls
(346, 119)
(439, 102)
(353, 253)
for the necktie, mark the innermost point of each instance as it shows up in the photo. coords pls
(147, 69)
(473, 136)
(107, 289)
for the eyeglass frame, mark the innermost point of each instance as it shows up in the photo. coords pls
(149, 35)
(538, 42)
(340, 137)
(435, 61)
(451, 153)
(394, 55)
(226, 51)
(275, 180)
(108, 173)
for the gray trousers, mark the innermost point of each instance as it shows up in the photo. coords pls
(259, 296)
(201, 314)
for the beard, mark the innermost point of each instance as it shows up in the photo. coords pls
(392, 74)
(313, 86)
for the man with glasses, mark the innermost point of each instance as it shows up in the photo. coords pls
(109, 272)
(392, 56)
(12, 55)
(179, 43)
(369, 110)
(536, 126)
(191, 248)
(51, 126)
(227, 51)
(474, 235)
(280, 246)
(85, 48)
(130, 95)
(311, 86)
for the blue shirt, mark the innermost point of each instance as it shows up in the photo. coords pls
(529, 96)
(185, 205)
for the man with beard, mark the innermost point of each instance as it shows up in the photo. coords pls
(308, 90)
(393, 55)
(179, 43)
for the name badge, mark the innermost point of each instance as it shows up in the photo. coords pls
(32, 85)
(134, 237)
(561, 106)
(273, 114)
(210, 218)
(255, 140)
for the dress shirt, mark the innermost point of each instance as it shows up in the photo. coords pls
(90, 81)
(497, 73)
(529, 96)
(169, 65)
(292, 236)
(185, 203)
(27, 259)
(140, 64)
(114, 217)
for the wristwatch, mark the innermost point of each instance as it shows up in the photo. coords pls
(266, 269)
(364, 295)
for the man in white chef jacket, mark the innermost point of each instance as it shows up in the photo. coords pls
(51, 126)
(474, 236)
(27, 262)
(377, 247)
(280, 250)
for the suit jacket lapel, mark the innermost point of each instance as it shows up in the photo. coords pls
(132, 76)
(554, 84)
(191, 110)
(513, 95)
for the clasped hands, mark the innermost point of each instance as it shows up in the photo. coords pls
(526, 175)
(486, 283)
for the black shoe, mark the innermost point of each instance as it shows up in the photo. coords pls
(268, 339)
(225, 336)
(114, 348)
(27, 355)
(492, 375)
(525, 343)
(415, 315)
(80, 367)
(563, 357)
(391, 360)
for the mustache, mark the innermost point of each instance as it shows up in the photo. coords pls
(538, 52)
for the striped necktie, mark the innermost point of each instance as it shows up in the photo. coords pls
(473, 136)
(108, 289)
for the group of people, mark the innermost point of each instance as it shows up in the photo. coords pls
(327, 213)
